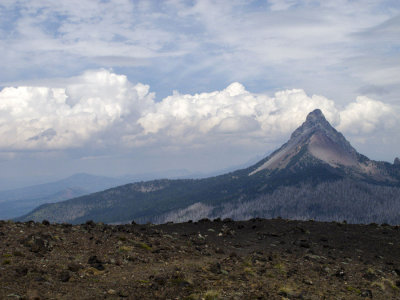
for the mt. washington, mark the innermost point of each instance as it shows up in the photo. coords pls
(317, 175)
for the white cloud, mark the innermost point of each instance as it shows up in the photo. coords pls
(101, 109)
(366, 116)
(59, 118)
(232, 111)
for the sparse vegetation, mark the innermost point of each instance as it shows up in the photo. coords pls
(125, 248)
(262, 258)
(211, 295)
(143, 246)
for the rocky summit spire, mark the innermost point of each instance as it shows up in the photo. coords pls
(315, 121)
(315, 116)
(315, 138)
(316, 125)
(397, 161)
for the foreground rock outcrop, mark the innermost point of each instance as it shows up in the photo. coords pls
(220, 259)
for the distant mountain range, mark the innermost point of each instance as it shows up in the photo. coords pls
(317, 174)
(20, 201)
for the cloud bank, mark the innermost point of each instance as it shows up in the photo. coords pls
(104, 110)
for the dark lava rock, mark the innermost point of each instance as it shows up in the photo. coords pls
(298, 229)
(161, 280)
(45, 222)
(204, 220)
(64, 276)
(215, 268)
(40, 243)
(94, 260)
(227, 220)
(96, 263)
(370, 276)
(74, 267)
(21, 271)
(90, 223)
(289, 294)
(340, 273)
(233, 255)
(99, 267)
(123, 294)
(302, 243)
(184, 283)
(366, 293)
(30, 223)
(219, 251)
(198, 242)
(40, 279)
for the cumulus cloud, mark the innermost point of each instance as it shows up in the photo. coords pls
(367, 115)
(104, 109)
(59, 118)
(232, 111)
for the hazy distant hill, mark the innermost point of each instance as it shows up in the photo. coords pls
(316, 174)
(19, 201)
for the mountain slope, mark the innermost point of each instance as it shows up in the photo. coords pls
(20, 201)
(315, 157)
(316, 142)
(322, 142)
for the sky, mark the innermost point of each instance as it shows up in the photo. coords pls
(116, 87)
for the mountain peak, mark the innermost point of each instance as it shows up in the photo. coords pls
(315, 138)
(315, 116)
(315, 121)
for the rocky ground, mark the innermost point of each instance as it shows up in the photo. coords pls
(255, 259)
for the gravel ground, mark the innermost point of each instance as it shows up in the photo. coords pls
(219, 259)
